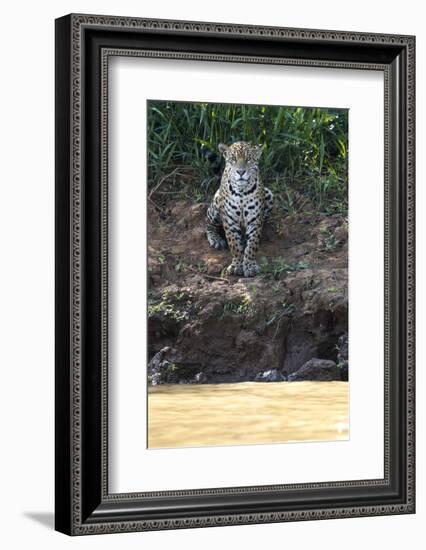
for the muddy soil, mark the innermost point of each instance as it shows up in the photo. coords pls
(220, 328)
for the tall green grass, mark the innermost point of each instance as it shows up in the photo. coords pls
(306, 149)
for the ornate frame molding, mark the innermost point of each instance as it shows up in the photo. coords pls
(72, 44)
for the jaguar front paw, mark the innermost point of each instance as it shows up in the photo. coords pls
(216, 242)
(251, 269)
(235, 268)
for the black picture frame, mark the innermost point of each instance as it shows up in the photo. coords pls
(83, 504)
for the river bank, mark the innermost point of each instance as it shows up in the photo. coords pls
(211, 328)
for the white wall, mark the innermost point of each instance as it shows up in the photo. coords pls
(26, 289)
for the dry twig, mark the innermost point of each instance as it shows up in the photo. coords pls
(162, 180)
(209, 276)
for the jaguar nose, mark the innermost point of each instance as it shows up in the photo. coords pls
(241, 172)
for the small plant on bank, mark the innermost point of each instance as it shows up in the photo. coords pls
(175, 305)
(284, 310)
(278, 266)
(199, 267)
(161, 259)
(330, 241)
(241, 306)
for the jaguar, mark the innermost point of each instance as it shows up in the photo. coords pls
(239, 208)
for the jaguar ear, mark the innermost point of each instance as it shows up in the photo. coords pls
(223, 148)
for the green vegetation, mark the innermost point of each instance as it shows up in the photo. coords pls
(305, 156)
(333, 289)
(175, 305)
(277, 266)
(240, 306)
(161, 259)
(283, 312)
(330, 241)
(182, 266)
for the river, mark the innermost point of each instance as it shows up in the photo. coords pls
(247, 413)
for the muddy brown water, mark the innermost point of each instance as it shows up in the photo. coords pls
(247, 413)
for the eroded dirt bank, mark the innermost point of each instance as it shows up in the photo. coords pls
(217, 328)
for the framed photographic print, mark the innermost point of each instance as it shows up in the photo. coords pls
(234, 274)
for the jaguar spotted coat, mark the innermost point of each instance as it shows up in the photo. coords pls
(239, 207)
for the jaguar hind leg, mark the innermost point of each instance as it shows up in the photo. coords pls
(214, 228)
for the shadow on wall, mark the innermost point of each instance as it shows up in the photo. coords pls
(47, 519)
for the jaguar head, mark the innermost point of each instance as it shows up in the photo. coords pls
(242, 159)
